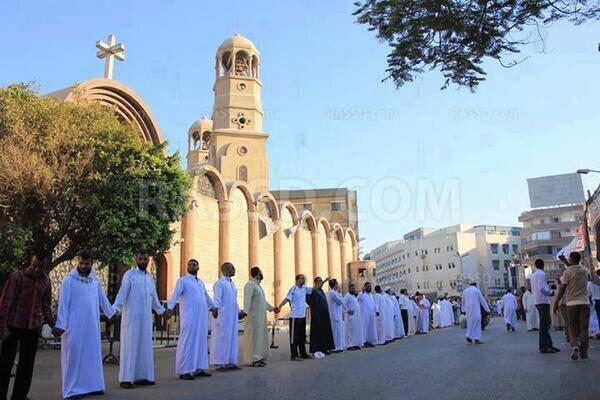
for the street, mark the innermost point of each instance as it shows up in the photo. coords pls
(435, 366)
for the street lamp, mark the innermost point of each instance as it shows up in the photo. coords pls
(585, 171)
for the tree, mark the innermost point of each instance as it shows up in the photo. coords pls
(456, 36)
(74, 176)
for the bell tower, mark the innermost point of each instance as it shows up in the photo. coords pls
(238, 143)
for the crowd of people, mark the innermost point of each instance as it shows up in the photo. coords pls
(373, 316)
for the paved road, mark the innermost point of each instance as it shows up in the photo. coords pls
(435, 366)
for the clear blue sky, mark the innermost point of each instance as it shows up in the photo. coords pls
(331, 119)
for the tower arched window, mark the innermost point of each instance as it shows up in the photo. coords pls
(242, 65)
(242, 173)
(255, 67)
(225, 64)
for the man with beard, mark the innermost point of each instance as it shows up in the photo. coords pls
(321, 336)
(368, 314)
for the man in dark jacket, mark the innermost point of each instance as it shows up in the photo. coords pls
(321, 336)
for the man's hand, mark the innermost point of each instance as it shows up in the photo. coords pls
(57, 332)
(242, 315)
(215, 313)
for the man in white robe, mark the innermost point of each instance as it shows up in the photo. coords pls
(424, 306)
(436, 312)
(399, 332)
(224, 338)
(533, 318)
(413, 317)
(447, 313)
(194, 305)
(509, 310)
(78, 322)
(135, 301)
(256, 334)
(353, 324)
(381, 306)
(390, 325)
(369, 313)
(472, 302)
(335, 303)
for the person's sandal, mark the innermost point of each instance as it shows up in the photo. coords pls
(575, 353)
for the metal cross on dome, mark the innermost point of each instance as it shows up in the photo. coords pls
(109, 52)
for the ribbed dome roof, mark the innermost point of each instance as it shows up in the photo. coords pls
(238, 40)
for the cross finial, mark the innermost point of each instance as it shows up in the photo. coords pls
(109, 52)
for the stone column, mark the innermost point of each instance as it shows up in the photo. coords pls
(277, 267)
(252, 239)
(297, 250)
(224, 220)
(344, 262)
(314, 236)
(188, 224)
(330, 256)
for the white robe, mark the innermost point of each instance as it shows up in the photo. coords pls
(390, 323)
(136, 299)
(256, 333)
(472, 301)
(79, 318)
(224, 340)
(335, 302)
(436, 314)
(509, 309)
(413, 318)
(398, 324)
(381, 320)
(353, 323)
(533, 318)
(424, 306)
(194, 304)
(367, 312)
(447, 314)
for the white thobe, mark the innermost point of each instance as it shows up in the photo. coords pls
(335, 302)
(509, 309)
(353, 323)
(367, 312)
(533, 318)
(447, 313)
(224, 340)
(424, 306)
(381, 319)
(194, 304)
(472, 301)
(256, 333)
(436, 314)
(136, 299)
(79, 317)
(397, 315)
(413, 318)
(390, 323)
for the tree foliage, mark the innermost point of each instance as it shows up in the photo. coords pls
(73, 176)
(457, 36)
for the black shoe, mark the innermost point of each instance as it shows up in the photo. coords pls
(306, 357)
(126, 385)
(145, 382)
(186, 377)
(202, 374)
(295, 359)
(367, 344)
(469, 340)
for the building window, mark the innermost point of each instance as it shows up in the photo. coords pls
(496, 265)
(336, 206)
(494, 248)
(307, 206)
(505, 248)
(243, 173)
(515, 248)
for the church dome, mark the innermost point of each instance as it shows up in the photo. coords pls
(201, 125)
(238, 40)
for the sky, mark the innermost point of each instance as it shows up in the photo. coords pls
(418, 155)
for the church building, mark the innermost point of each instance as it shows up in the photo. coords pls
(232, 215)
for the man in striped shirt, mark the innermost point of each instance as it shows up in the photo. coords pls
(24, 308)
